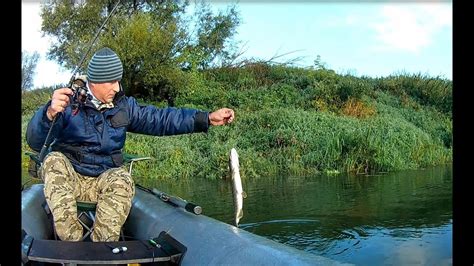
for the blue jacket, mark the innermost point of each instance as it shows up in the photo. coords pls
(93, 140)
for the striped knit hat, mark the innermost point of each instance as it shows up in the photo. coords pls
(105, 66)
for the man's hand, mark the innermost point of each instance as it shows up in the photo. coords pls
(59, 102)
(221, 117)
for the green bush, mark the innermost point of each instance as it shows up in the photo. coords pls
(435, 92)
(32, 100)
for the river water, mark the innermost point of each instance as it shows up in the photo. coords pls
(402, 218)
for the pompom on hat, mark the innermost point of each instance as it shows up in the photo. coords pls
(104, 66)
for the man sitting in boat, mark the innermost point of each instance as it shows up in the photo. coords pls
(85, 159)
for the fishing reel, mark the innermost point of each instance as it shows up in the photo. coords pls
(79, 95)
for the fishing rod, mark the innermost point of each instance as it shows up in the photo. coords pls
(175, 201)
(78, 88)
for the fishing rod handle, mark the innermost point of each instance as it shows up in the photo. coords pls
(49, 139)
(188, 206)
(159, 194)
(193, 208)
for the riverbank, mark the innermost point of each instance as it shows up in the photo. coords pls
(298, 122)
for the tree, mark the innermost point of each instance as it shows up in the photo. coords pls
(29, 61)
(212, 35)
(154, 39)
(319, 64)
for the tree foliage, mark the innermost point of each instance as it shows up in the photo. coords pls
(156, 40)
(29, 61)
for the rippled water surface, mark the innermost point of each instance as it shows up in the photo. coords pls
(393, 219)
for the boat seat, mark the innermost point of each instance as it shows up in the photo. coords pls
(33, 164)
(86, 217)
(130, 158)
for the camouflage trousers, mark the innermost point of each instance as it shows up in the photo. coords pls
(113, 191)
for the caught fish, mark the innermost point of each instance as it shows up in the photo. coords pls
(237, 190)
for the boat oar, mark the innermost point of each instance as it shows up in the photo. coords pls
(175, 201)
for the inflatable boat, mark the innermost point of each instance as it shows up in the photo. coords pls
(156, 232)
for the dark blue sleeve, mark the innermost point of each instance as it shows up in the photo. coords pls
(38, 128)
(155, 121)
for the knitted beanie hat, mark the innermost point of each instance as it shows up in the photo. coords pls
(105, 66)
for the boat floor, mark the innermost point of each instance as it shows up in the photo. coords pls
(162, 250)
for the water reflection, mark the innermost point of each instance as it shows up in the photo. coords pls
(396, 219)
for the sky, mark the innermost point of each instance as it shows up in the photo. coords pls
(357, 38)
